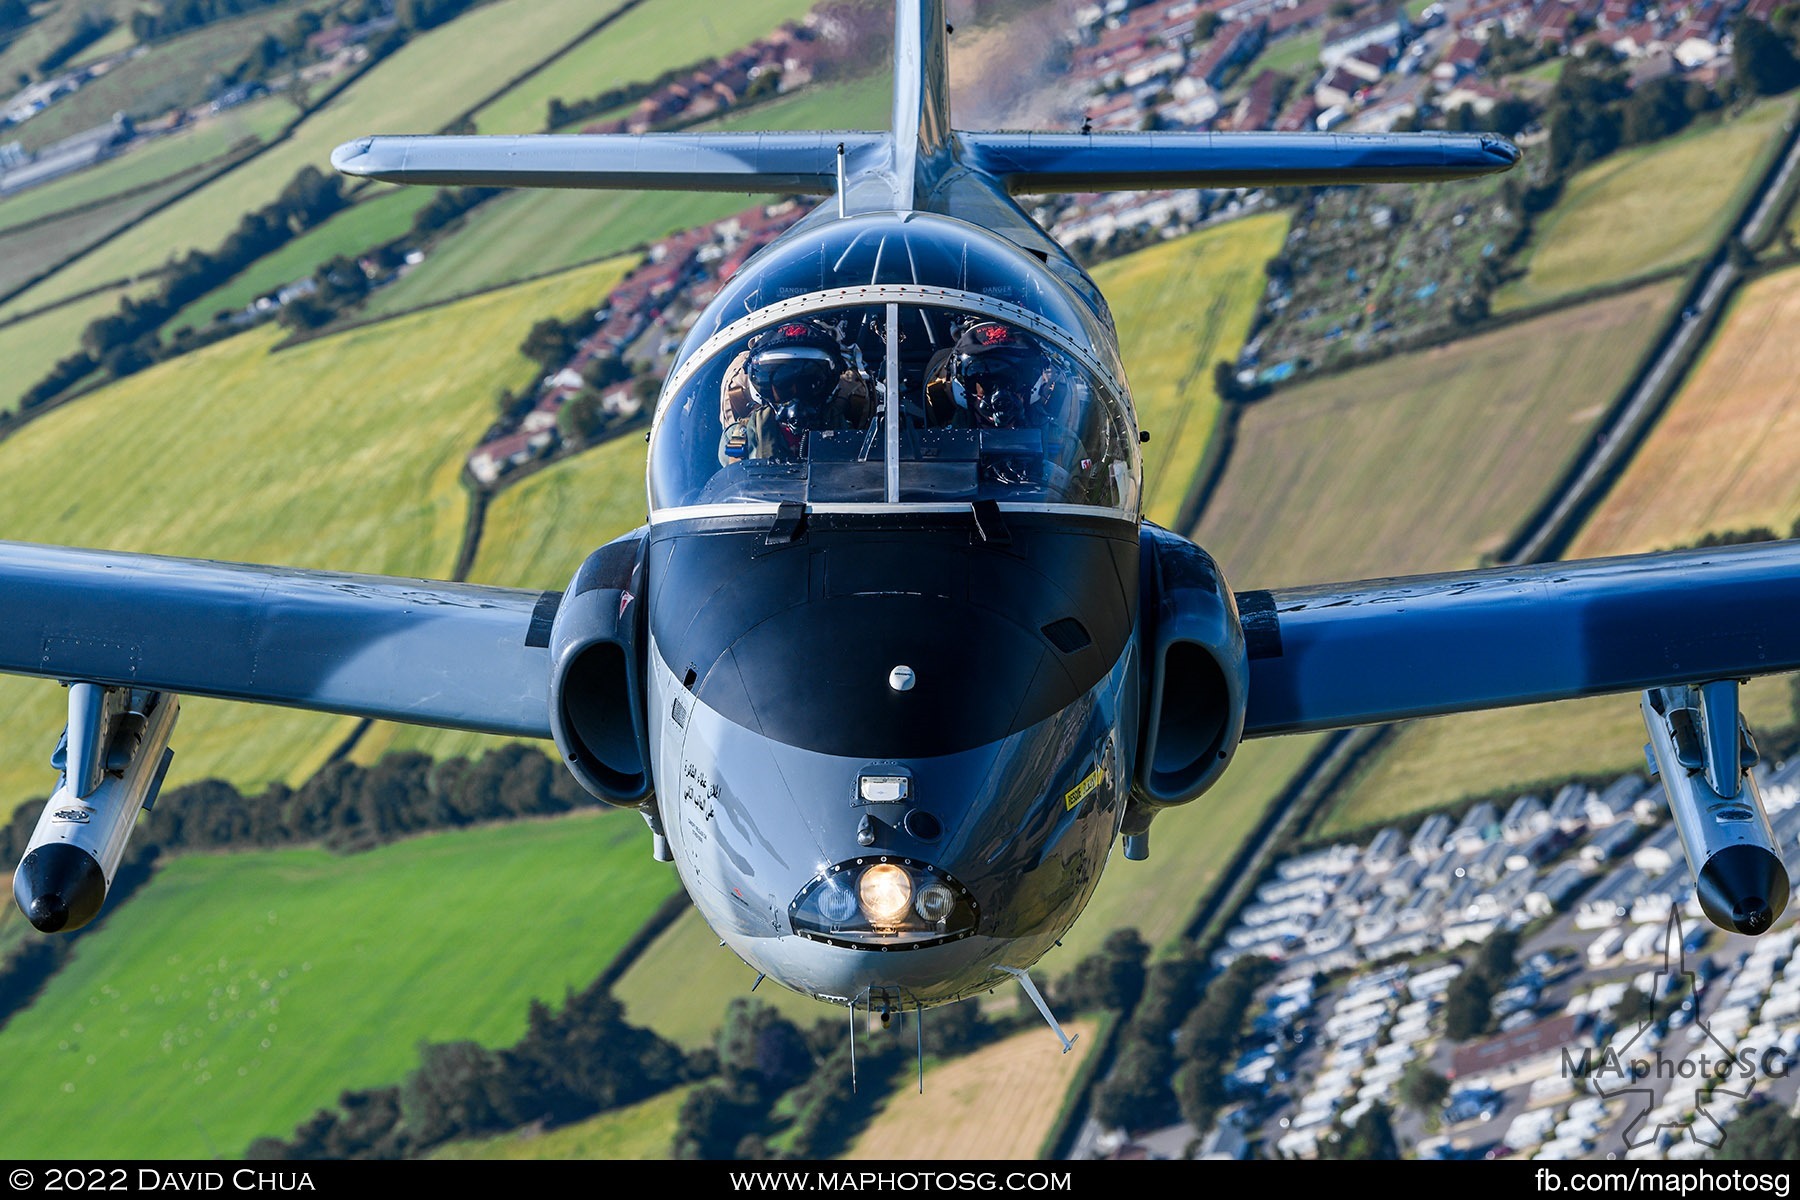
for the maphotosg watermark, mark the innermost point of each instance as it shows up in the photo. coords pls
(1677, 1183)
(1638, 1065)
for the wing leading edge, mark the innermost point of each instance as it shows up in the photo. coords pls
(428, 653)
(1333, 656)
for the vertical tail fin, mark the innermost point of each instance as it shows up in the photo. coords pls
(922, 150)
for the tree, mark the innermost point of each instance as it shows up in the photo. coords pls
(1371, 1138)
(1466, 1006)
(1110, 978)
(582, 416)
(711, 1124)
(1766, 65)
(957, 1028)
(760, 1050)
(456, 1091)
(1422, 1089)
(1137, 1095)
(604, 370)
(550, 344)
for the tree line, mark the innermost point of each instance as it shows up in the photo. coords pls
(126, 341)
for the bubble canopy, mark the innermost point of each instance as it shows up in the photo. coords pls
(1003, 384)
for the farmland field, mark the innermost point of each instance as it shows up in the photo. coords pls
(1647, 209)
(1719, 459)
(530, 232)
(177, 73)
(236, 994)
(642, 1131)
(1181, 307)
(654, 37)
(50, 30)
(1190, 847)
(420, 88)
(204, 144)
(998, 1103)
(341, 453)
(27, 253)
(681, 984)
(29, 348)
(1722, 457)
(385, 214)
(1425, 461)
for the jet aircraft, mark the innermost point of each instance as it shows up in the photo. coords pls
(896, 660)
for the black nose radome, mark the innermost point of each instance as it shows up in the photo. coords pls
(1744, 888)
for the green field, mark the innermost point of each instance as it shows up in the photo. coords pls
(1645, 210)
(237, 994)
(1181, 307)
(178, 73)
(29, 348)
(654, 37)
(1297, 56)
(27, 253)
(642, 1131)
(342, 453)
(527, 233)
(203, 144)
(1426, 461)
(434, 78)
(383, 215)
(681, 984)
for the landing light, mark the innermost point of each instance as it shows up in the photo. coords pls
(885, 903)
(886, 892)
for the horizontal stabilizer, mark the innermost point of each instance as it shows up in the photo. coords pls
(428, 653)
(1334, 656)
(805, 163)
(1035, 163)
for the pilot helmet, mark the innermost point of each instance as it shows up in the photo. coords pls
(794, 368)
(997, 368)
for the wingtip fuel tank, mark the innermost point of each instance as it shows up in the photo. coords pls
(1702, 753)
(114, 755)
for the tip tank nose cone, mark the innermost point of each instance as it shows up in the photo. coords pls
(48, 914)
(59, 887)
(1743, 888)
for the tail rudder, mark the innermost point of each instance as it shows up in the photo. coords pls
(921, 125)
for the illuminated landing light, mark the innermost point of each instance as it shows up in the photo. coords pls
(886, 892)
(884, 903)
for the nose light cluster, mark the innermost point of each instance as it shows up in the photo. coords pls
(883, 902)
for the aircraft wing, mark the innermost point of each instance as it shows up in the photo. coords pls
(1339, 655)
(1033, 163)
(685, 162)
(428, 653)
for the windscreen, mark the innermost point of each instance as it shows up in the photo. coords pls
(799, 410)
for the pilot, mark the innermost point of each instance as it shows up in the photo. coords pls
(996, 377)
(787, 382)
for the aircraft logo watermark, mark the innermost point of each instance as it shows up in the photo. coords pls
(1638, 1067)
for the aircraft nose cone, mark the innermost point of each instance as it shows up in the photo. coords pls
(1743, 888)
(48, 914)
